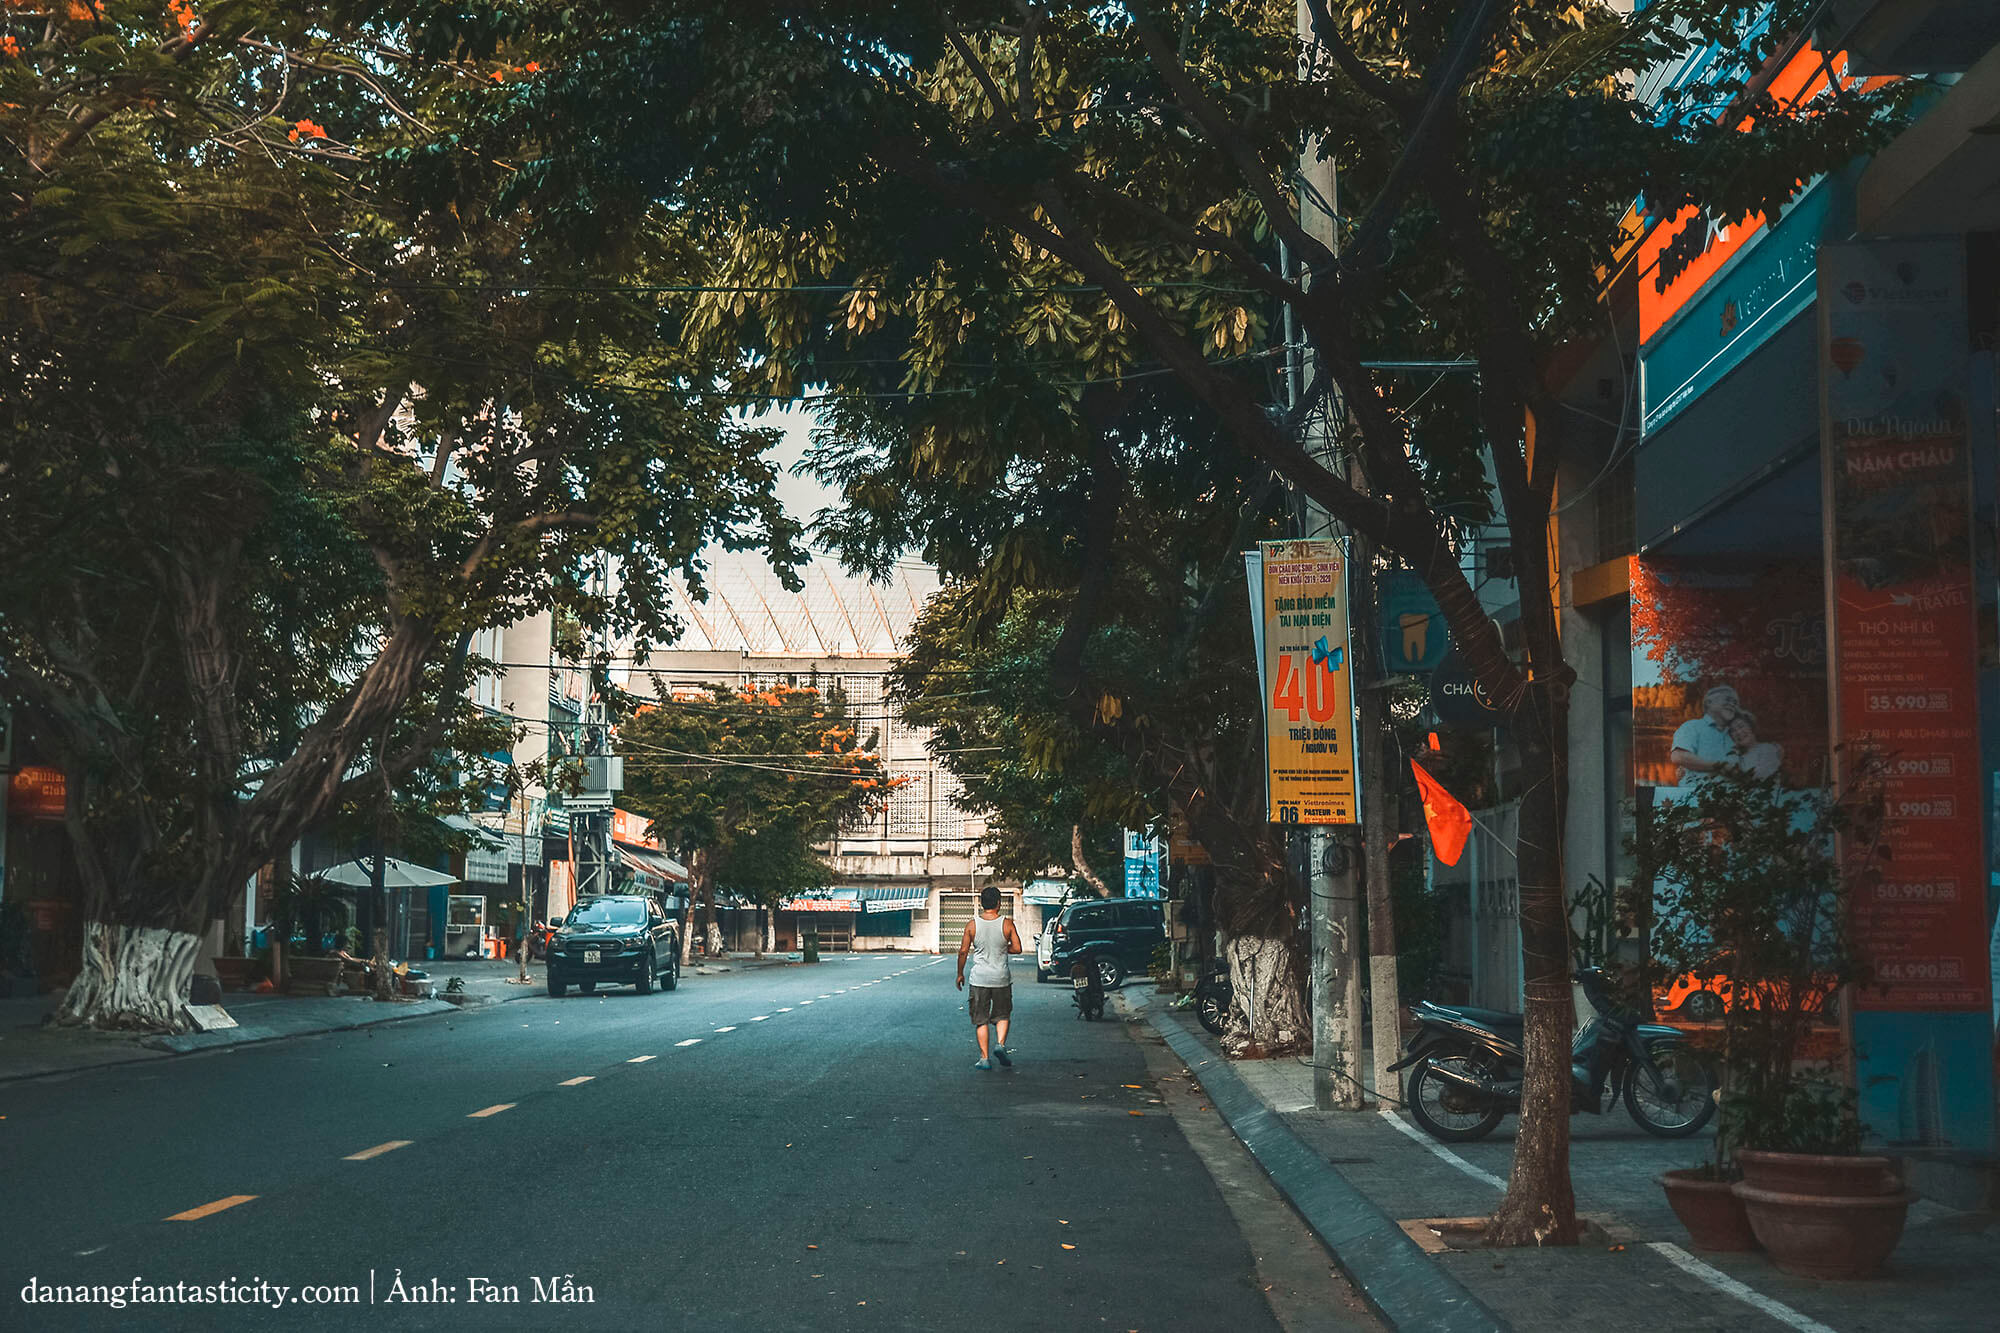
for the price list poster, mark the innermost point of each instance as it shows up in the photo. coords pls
(1894, 358)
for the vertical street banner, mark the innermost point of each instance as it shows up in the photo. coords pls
(1306, 673)
(1905, 642)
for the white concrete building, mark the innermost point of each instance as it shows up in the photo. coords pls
(910, 877)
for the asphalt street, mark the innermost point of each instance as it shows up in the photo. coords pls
(779, 1148)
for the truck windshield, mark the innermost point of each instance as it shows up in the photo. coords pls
(607, 912)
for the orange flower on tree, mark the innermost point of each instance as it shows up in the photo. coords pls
(183, 14)
(306, 129)
(9, 46)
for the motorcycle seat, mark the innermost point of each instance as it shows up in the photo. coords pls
(1497, 1019)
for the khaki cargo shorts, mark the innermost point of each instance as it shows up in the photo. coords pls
(990, 1004)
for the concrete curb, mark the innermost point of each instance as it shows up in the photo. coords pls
(1398, 1280)
(189, 1043)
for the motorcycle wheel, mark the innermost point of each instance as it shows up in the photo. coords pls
(1672, 1094)
(1445, 1111)
(1212, 1008)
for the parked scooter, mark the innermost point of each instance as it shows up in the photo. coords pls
(1214, 996)
(1086, 989)
(1468, 1067)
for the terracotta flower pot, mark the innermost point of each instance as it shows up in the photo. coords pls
(1823, 1236)
(1841, 1177)
(1711, 1212)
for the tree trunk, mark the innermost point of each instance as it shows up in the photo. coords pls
(1268, 1015)
(1081, 864)
(132, 977)
(1540, 1207)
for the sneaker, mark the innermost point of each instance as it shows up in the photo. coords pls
(1000, 1054)
(982, 1063)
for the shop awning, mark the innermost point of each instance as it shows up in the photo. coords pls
(826, 900)
(652, 862)
(895, 898)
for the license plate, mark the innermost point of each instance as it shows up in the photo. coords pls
(1080, 983)
(590, 955)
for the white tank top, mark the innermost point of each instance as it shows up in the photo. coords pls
(989, 953)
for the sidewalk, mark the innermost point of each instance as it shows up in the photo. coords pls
(29, 1049)
(1636, 1273)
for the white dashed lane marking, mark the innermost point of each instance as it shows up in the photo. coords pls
(573, 1082)
(760, 1018)
(730, 1028)
(491, 1110)
(641, 1059)
(691, 1041)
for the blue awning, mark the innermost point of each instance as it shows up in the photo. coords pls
(895, 898)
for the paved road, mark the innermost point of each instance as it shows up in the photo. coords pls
(796, 1147)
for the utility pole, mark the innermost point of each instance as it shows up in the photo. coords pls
(603, 772)
(1333, 871)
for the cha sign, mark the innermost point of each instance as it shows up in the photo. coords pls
(1308, 685)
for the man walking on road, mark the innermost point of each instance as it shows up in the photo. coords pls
(989, 938)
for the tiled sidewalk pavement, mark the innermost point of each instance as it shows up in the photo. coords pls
(1945, 1274)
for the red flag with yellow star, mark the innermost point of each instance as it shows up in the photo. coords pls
(1450, 822)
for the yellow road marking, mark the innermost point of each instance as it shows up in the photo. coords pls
(492, 1110)
(572, 1082)
(378, 1150)
(195, 1214)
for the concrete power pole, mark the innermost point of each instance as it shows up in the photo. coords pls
(1334, 865)
(603, 772)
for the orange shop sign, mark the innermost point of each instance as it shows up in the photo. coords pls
(37, 792)
(629, 828)
(1681, 254)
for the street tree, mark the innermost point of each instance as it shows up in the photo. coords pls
(749, 783)
(284, 431)
(1489, 155)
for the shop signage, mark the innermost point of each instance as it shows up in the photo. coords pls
(1906, 632)
(37, 792)
(1307, 683)
(1460, 701)
(1414, 639)
(820, 905)
(630, 828)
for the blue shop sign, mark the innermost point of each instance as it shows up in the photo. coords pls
(1414, 638)
(1761, 290)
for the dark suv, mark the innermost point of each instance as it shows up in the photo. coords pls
(1117, 935)
(615, 938)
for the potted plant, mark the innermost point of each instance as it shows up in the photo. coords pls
(1750, 903)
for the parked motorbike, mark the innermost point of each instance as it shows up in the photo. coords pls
(1468, 1068)
(1214, 995)
(1086, 989)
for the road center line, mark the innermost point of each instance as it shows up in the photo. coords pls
(1722, 1282)
(691, 1041)
(785, 1010)
(730, 1028)
(492, 1110)
(378, 1150)
(641, 1059)
(195, 1214)
(572, 1082)
(803, 1002)
(761, 1018)
(1442, 1153)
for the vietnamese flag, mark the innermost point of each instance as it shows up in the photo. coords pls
(1450, 822)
